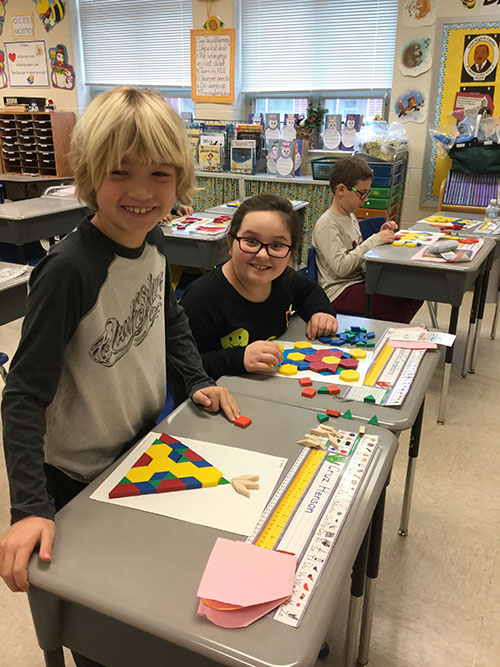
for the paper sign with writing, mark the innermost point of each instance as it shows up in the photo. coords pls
(27, 64)
(22, 26)
(212, 65)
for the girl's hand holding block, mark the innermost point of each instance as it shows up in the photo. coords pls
(262, 355)
(321, 324)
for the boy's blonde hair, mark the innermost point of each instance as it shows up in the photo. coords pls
(127, 122)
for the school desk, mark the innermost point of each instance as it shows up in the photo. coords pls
(19, 186)
(196, 249)
(39, 218)
(409, 415)
(13, 295)
(122, 585)
(494, 275)
(390, 270)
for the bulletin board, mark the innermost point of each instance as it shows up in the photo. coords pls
(212, 65)
(462, 45)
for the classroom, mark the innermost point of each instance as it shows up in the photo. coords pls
(409, 86)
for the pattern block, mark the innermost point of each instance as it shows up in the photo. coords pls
(167, 465)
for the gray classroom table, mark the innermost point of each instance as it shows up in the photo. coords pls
(13, 295)
(122, 585)
(197, 250)
(395, 418)
(425, 227)
(21, 186)
(390, 270)
(38, 218)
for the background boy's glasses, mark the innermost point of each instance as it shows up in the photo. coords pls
(363, 194)
(252, 246)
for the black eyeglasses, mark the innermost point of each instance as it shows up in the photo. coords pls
(363, 194)
(252, 246)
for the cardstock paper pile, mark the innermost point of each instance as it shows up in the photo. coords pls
(243, 582)
(417, 338)
(9, 276)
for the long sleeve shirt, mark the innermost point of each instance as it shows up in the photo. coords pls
(224, 322)
(90, 370)
(340, 250)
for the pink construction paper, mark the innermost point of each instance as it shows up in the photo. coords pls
(239, 618)
(413, 344)
(245, 575)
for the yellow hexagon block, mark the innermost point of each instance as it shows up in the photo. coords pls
(349, 376)
(330, 360)
(296, 356)
(302, 343)
(357, 353)
(140, 474)
(280, 346)
(207, 476)
(398, 243)
(288, 369)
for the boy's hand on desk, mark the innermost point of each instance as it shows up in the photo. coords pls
(262, 355)
(185, 210)
(17, 545)
(321, 324)
(390, 225)
(387, 235)
(215, 398)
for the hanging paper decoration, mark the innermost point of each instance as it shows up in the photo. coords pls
(3, 75)
(417, 13)
(410, 106)
(63, 75)
(50, 12)
(415, 56)
(2, 15)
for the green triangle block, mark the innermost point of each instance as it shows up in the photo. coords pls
(155, 482)
(347, 414)
(223, 480)
(183, 459)
(369, 399)
(322, 417)
(370, 343)
(361, 343)
(322, 390)
(125, 480)
(374, 421)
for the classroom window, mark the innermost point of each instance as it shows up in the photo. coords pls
(317, 45)
(136, 42)
(368, 107)
(281, 105)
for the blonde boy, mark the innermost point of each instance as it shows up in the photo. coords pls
(89, 376)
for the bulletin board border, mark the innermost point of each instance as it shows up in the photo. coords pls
(231, 32)
(447, 29)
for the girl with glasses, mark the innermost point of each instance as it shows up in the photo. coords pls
(236, 310)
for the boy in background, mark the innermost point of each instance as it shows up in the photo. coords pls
(340, 248)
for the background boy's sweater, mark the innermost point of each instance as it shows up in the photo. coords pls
(339, 252)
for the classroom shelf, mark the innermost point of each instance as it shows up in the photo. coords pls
(36, 143)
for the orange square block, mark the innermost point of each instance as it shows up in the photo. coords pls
(242, 421)
(333, 389)
(309, 392)
(332, 413)
(305, 382)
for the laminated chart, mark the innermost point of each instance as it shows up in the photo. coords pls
(308, 511)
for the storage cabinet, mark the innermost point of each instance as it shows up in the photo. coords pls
(36, 143)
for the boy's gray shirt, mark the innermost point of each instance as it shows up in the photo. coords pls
(90, 370)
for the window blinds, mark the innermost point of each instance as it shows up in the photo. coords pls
(136, 42)
(317, 45)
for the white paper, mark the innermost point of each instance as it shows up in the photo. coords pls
(363, 365)
(217, 507)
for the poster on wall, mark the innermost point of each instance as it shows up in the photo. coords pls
(415, 56)
(418, 13)
(468, 64)
(410, 106)
(50, 12)
(63, 74)
(3, 75)
(27, 64)
(2, 14)
(488, 6)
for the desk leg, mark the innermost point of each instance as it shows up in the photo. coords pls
(447, 366)
(472, 323)
(356, 602)
(371, 579)
(54, 658)
(413, 448)
(493, 332)
(368, 305)
(480, 314)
